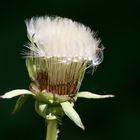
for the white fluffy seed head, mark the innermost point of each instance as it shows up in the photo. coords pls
(62, 37)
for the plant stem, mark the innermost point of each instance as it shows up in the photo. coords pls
(51, 130)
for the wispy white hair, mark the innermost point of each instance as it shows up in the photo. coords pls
(62, 37)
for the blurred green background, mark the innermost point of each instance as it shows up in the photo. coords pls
(117, 23)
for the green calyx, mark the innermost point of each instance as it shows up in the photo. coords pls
(50, 98)
(48, 106)
(49, 111)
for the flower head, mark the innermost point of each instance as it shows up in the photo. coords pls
(59, 52)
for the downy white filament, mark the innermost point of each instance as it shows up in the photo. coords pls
(62, 37)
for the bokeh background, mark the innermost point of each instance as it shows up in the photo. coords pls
(117, 23)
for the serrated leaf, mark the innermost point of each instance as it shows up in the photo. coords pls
(89, 95)
(72, 114)
(15, 93)
(21, 100)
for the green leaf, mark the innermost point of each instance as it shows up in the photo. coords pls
(89, 95)
(15, 93)
(72, 114)
(21, 100)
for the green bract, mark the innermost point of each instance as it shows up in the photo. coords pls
(51, 106)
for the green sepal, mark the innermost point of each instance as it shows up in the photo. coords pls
(40, 108)
(21, 100)
(72, 114)
(89, 95)
(16, 92)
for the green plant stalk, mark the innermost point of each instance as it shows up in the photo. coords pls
(51, 130)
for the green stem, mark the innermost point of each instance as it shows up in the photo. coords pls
(51, 130)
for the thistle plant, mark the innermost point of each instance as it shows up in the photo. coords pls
(57, 55)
